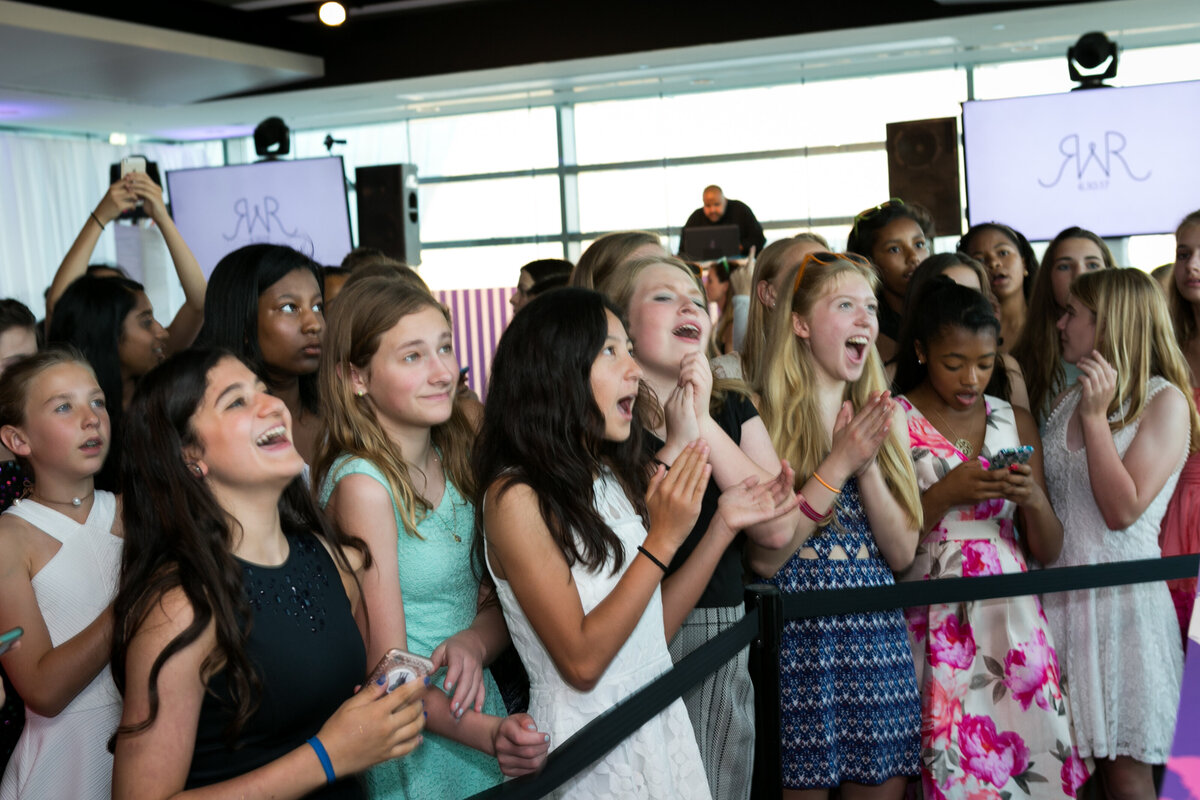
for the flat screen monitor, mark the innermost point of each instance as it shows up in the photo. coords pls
(1117, 161)
(710, 242)
(301, 203)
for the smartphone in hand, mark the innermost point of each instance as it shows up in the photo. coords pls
(400, 667)
(1012, 455)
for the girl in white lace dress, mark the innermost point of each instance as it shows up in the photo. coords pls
(576, 571)
(1115, 444)
(60, 552)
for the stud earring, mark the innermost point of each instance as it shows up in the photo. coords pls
(196, 469)
(360, 393)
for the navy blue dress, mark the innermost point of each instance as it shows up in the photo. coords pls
(850, 707)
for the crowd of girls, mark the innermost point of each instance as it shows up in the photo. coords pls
(215, 542)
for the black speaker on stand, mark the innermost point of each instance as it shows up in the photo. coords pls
(388, 211)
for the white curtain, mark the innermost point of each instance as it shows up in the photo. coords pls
(49, 185)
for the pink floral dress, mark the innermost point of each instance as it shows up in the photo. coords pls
(994, 720)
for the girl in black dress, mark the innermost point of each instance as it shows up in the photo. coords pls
(239, 655)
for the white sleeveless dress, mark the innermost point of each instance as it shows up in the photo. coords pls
(67, 756)
(1118, 646)
(659, 760)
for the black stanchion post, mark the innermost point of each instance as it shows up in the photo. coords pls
(764, 670)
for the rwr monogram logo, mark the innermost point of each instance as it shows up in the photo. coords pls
(1094, 168)
(258, 217)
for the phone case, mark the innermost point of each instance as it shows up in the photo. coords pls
(400, 667)
(1012, 455)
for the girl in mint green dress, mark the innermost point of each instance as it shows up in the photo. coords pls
(392, 469)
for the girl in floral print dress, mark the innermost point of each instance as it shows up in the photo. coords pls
(994, 717)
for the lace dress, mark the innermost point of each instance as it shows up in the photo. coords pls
(994, 717)
(660, 760)
(1119, 646)
(65, 755)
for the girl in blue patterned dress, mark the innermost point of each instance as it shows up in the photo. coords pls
(393, 469)
(850, 709)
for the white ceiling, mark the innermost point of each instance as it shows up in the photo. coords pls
(67, 72)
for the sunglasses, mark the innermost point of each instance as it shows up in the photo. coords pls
(862, 216)
(822, 257)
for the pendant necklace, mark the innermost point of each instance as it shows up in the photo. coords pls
(962, 443)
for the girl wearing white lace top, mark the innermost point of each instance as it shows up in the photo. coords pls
(60, 550)
(1114, 447)
(567, 492)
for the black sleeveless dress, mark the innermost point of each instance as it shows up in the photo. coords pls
(307, 651)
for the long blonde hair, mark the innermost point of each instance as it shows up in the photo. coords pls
(1038, 350)
(790, 406)
(1134, 334)
(360, 315)
(771, 261)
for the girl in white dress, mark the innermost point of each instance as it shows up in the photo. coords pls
(60, 551)
(1114, 447)
(564, 472)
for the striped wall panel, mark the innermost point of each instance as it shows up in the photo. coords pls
(478, 316)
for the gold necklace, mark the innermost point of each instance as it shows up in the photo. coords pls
(74, 501)
(962, 444)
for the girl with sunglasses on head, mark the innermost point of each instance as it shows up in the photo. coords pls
(1071, 253)
(669, 323)
(958, 427)
(567, 492)
(1181, 524)
(767, 274)
(393, 470)
(851, 713)
(238, 655)
(1115, 444)
(1012, 267)
(896, 237)
(60, 550)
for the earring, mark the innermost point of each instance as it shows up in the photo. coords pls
(196, 469)
(360, 393)
(921, 361)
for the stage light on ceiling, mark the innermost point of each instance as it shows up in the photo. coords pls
(332, 14)
(1093, 51)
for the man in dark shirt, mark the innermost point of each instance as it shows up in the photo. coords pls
(720, 211)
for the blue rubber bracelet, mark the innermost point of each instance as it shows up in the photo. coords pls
(323, 757)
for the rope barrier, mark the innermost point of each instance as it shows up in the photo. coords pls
(601, 735)
(598, 737)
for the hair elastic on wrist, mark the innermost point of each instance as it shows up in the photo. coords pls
(821, 481)
(809, 511)
(98, 222)
(653, 560)
(323, 757)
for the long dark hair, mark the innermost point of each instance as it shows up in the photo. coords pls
(90, 316)
(938, 305)
(177, 536)
(542, 427)
(231, 305)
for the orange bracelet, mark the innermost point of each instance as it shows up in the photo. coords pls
(821, 481)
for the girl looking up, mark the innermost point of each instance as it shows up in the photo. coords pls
(1115, 444)
(669, 323)
(1071, 253)
(957, 427)
(851, 713)
(1181, 524)
(268, 310)
(393, 469)
(60, 550)
(238, 653)
(1012, 268)
(566, 492)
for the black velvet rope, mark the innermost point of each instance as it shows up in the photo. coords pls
(598, 737)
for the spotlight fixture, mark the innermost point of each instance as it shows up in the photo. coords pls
(332, 14)
(272, 138)
(1093, 51)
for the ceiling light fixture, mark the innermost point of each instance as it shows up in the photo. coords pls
(1095, 53)
(332, 14)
